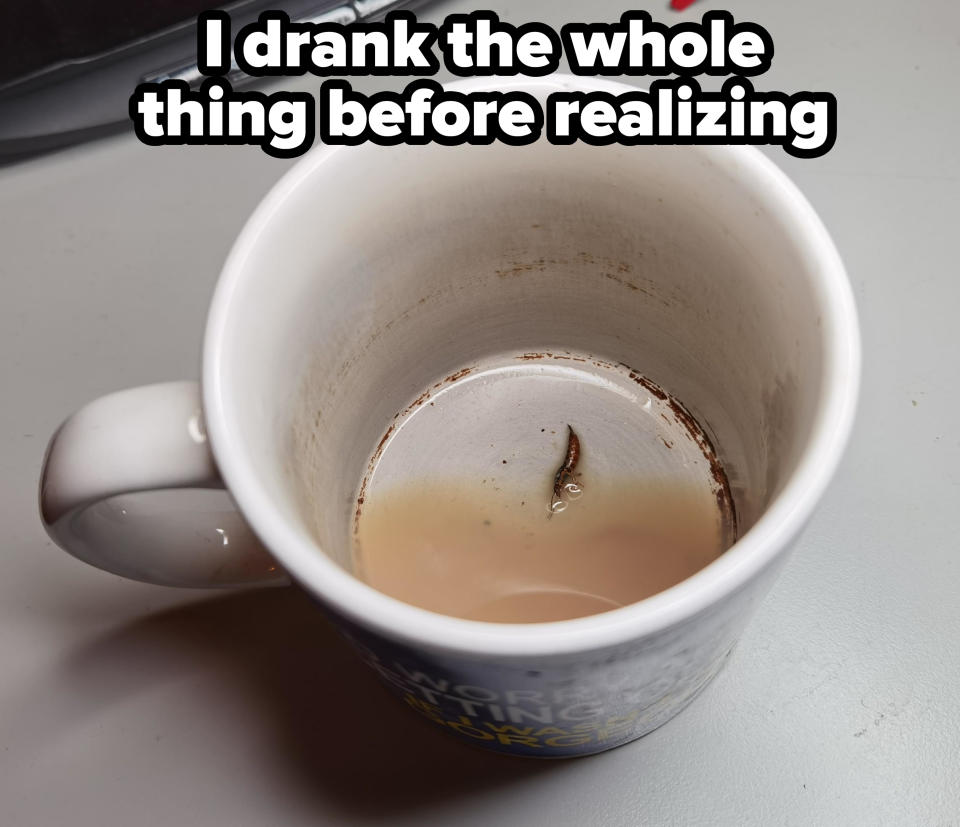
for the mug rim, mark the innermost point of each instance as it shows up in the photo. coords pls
(770, 537)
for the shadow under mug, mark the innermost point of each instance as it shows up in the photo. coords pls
(368, 272)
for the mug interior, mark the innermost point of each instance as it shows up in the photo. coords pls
(372, 271)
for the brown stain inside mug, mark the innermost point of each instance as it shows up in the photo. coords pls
(378, 451)
(722, 492)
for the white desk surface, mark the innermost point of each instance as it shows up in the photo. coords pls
(126, 704)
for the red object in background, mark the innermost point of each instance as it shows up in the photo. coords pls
(680, 5)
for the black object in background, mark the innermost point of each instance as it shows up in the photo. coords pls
(35, 34)
(69, 67)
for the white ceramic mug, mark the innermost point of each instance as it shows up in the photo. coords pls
(366, 273)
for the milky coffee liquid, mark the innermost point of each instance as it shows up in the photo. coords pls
(465, 549)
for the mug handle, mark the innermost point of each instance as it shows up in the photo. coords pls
(119, 486)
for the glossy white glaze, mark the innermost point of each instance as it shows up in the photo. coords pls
(119, 491)
(763, 338)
